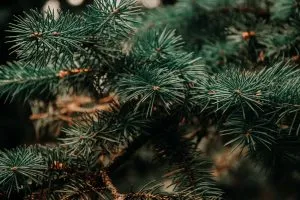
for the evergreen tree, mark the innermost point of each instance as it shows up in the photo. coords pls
(228, 64)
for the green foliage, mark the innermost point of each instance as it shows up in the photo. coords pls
(41, 38)
(249, 132)
(234, 88)
(160, 86)
(121, 123)
(113, 17)
(283, 9)
(79, 139)
(240, 76)
(110, 129)
(28, 81)
(17, 79)
(20, 168)
(156, 46)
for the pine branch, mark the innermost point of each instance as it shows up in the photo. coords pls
(19, 168)
(247, 90)
(141, 196)
(158, 82)
(132, 196)
(19, 79)
(252, 133)
(110, 186)
(40, 38)
(283, 9)
(157, 45)
(108, 130)
(230, 89)
(113, 17)
(156, 86)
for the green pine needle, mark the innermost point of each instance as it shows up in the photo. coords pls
(253, 133)
(156, 45)
(19, 168)
(152, 87)
(41, 37)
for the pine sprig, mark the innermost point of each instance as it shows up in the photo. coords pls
(252, 133)
(121, 123)
(17, 79)
(29, 81)
(283, 9)
(19, 168)
(80, 139)
(78, 189)
(165, 48)
(232, 89)
(157, 45)
(153, 87)
(248, 90)
(41, 37)
(111, 18)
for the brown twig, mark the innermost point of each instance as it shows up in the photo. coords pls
(64, 73)
(119, 196)
(148, 196)
(110, 186)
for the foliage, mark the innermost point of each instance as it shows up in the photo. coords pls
(232, 62)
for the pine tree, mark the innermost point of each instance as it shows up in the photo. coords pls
(230, 64)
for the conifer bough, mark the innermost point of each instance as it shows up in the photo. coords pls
(242, 84)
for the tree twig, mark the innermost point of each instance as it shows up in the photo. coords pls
(110, 186)
(119, 196)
